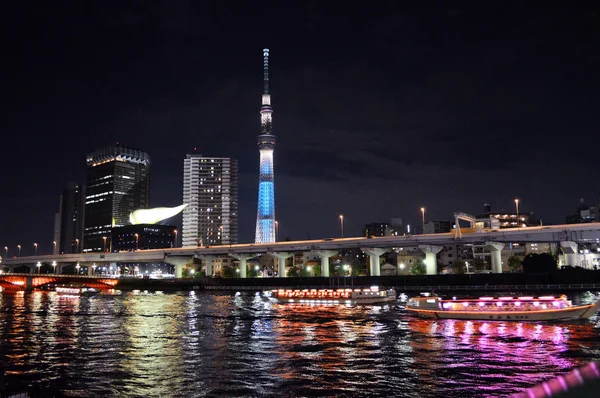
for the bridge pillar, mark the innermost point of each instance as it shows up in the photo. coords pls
(325, 254)
(281, 257)
(374, 256)
(179, 262)
(207, 260)
(430, 257)
(570, 251)
(243, 259)
(496, 250)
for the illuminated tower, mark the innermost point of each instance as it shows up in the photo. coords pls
(265, 216)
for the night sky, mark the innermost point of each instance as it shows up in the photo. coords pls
(378, 110)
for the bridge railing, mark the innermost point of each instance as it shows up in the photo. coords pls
(60, 275)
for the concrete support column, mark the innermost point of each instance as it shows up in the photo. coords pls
(90, 270)
(179, 262)
(496, 249)
(281, 257)
(325, 254)
(570, 250)
(208, 263)
(430, 257)
(243, 259)
(374, 256)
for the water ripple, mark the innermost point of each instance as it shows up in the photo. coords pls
(196, 344)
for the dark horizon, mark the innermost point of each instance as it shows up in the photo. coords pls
(377, 112)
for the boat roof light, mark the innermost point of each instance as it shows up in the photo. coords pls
(486, 298)
(505, 298)
(546, 297)
(526, 298)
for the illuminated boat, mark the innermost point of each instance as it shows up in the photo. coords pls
(529, 308)
(372, 295)
(74, 289)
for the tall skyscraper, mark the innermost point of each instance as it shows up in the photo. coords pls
(210, 188)
(118, 182)
(265, 217)
(68, 228)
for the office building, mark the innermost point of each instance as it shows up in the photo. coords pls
(210, 189)
(68, 222)
(118, 182)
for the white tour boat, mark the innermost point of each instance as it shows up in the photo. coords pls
(526, 308)
(74, 289)
(372, 295)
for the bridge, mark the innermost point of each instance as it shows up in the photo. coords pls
(569, 236)
(17, 281)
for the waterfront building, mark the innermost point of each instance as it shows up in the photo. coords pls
(143, 236)
(210, 189)
(508, 219)
(437, 227)
(265, 216)
(118, 182)
(68, 222)
(378, 229)
(585, 213)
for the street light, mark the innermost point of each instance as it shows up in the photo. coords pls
(175, 231)
(35, 246)
(6, 249)
(94, 269)
(19, 247)
(54, 243)
(54, 267)
(342, 224)
(77, 269)
(423, 218)
(276, 231)
(137, 240)
(104, 239)
(517, 205)
(76, 245)
(39, 265)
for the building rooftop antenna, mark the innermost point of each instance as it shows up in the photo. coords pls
(266, 69)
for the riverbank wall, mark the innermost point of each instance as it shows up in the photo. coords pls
(563, 280)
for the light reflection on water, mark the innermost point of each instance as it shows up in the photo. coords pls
(199, 344)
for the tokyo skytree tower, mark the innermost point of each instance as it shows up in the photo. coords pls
(265, 216)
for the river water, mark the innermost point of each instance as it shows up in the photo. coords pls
(194, 344)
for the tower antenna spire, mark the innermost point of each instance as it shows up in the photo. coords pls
(266, 69)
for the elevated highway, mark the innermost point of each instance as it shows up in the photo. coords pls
(568, 235)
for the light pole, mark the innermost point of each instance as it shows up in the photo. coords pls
(77, 269)
(423, 218)
(104, 239)
(175, 231)
(517, 205)
(94, 269)
(342, 224)
(54, 267)
(54, 247)
(76, 245)
(35, 247)
(6, 249)
(137, 240)
(276, 231)
(19, 247)
(39, 265)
